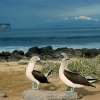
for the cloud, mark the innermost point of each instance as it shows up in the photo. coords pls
(85, 18)
(95, 19)
(45, 12)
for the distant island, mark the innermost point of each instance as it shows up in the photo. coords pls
(4, 25)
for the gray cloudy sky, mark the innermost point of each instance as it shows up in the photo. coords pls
(50, 13)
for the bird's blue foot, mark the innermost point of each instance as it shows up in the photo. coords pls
(71, 91)
(33, 88)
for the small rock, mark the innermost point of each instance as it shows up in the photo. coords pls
(22, 63)
(2, 95)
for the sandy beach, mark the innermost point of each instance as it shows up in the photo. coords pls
(13, 82)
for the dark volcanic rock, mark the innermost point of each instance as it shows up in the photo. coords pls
(43, 53)
(4, 56)
(18, 52)
(46, 57)
(30, 54)
(90, 52)
(65, 50)
(46, 50)
(5, 53)
(59, 50)
(47, 53)
(34, 50)
(78, 52)
(15, 57)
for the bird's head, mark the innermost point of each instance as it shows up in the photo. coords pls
(64, 55)
(35, 59)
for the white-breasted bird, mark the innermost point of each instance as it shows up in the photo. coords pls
(72, 79)
(35, 76)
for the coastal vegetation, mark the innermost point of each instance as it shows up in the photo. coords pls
(81, 65)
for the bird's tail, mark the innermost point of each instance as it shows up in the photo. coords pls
(49, 72)
(93, 81)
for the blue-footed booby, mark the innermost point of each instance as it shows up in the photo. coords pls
(72, 79)
(36, 77)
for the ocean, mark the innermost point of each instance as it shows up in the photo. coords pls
(71, 37)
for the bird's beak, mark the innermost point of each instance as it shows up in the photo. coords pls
(67, 58)
(39, 61)
(60, 56)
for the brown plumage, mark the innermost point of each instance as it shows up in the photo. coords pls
(77, 78)
(39, 76)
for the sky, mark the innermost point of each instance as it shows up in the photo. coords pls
(50, 13)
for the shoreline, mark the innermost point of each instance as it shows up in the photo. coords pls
(47, 53)
(26, 48)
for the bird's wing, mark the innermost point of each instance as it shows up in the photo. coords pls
(76, 78)
(39, 76)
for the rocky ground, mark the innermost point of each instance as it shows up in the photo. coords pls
(13, 82)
